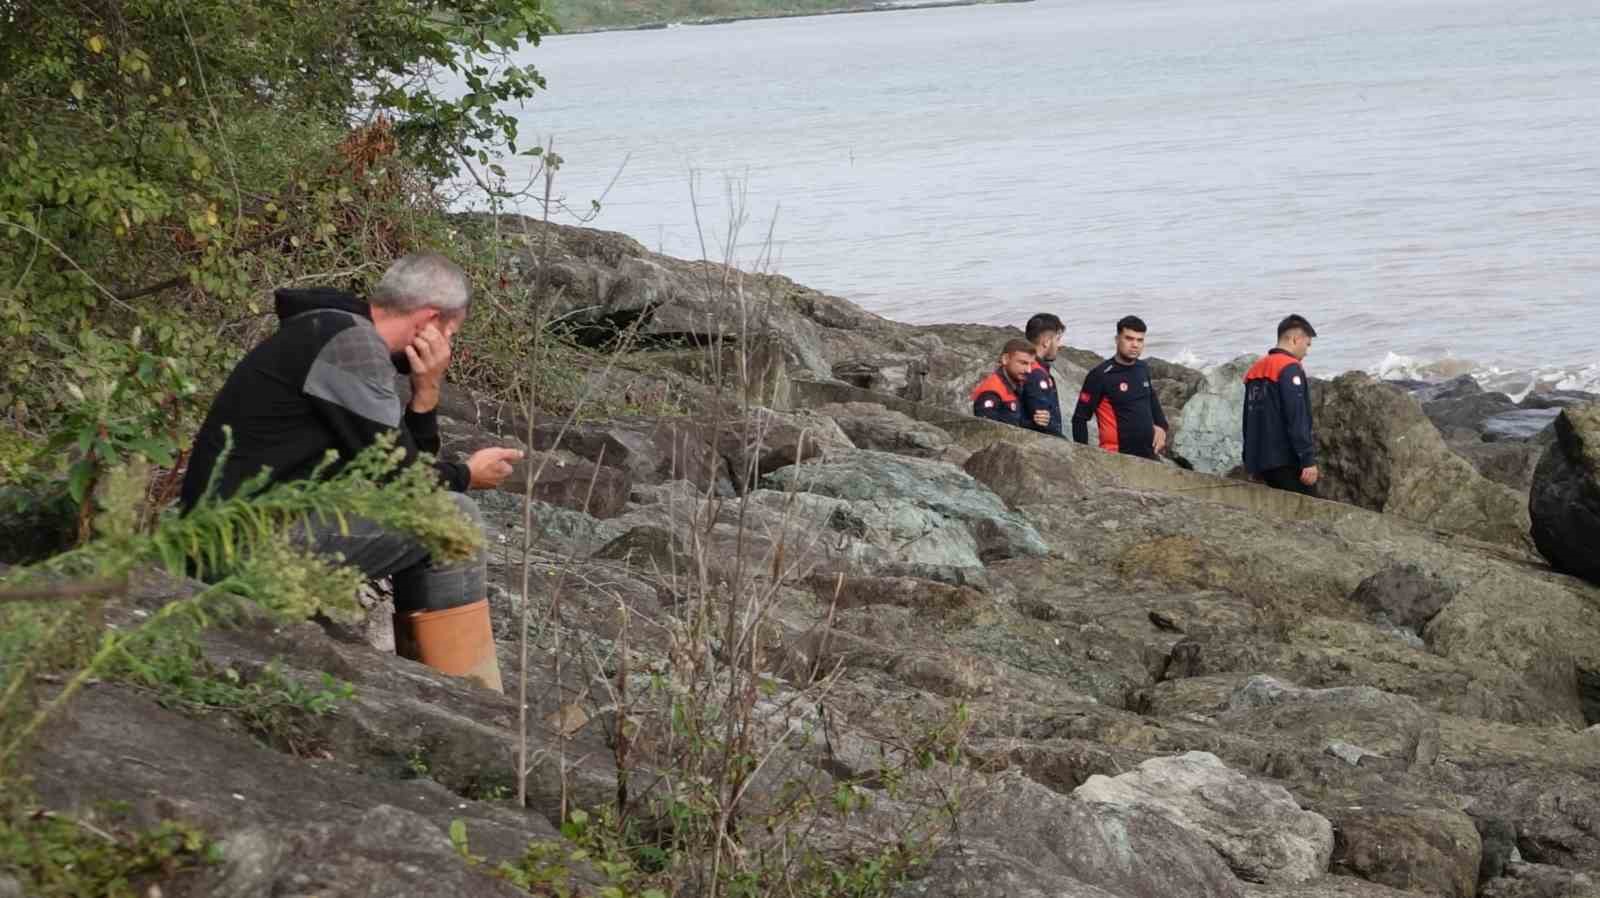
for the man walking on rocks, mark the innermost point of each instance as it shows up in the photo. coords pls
(1041, 404)
(325, 381)
(1279, 449)
(1117, 392)
(997, 397)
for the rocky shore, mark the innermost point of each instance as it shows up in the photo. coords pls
(1179, 683)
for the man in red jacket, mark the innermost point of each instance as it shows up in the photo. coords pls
(998, 396)
(1279, 448)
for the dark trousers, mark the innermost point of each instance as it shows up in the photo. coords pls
(420, 584)
(1286, 479)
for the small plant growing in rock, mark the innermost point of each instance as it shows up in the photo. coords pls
(51, 613)
(56, 856)
(285, 714)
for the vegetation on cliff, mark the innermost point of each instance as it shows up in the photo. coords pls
(600, 15)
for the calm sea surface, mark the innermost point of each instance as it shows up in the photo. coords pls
(1419, 178)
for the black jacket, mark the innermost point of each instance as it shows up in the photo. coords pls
(1124, 405)
(1039, 392)
(1277, 414)
(325, 381)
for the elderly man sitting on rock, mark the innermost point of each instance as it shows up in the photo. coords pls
(326, 381)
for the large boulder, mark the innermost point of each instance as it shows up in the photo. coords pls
(1378, 450)
(1021, 839)
(929, 494)
(1565, 499)
(765, 440)
(598, 490)
(1257, 827)
(1546, 630)
(1378, 722)
(871, 426)
(1210, 428)
(652, 450)
(1025, 475)
(1422, 849)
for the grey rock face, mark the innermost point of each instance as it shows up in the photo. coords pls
(1432, 850)
(1405, 594)
(1210, 434)
(388, 851)
(909, 496)
(1078, 848)
(875, 427)
(1258, 828)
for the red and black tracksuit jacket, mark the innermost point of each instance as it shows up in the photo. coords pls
(1039, 392)
(995, 397)
(1125, 408)
(1277, 414)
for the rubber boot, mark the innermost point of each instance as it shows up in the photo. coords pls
(457, 641)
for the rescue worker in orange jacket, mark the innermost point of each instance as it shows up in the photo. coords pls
(1279, 449)
(997, 397)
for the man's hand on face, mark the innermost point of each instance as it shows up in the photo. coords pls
(1042, 417)
(1310, 476)
(1161, 439)
(429, 354)
(491, 466)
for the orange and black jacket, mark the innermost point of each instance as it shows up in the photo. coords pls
(1039, 392)
(1125, 408)
(1277, 414)
(995, 397)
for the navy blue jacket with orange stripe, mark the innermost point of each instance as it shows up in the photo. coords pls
(1039, 392)
(1124, 406)
(995, 397)
(1277, 414)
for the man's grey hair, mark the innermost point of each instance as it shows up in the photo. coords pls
(423, 281)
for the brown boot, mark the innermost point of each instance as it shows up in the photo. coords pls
(457, 641)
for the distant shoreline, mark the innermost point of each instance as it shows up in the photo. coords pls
(848, 10)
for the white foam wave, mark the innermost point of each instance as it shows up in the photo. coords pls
(1517, 383)
(1586, 379)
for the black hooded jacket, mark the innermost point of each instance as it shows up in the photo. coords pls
(325, 381)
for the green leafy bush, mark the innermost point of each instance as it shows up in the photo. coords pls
(164, 166)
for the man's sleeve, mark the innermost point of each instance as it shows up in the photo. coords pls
(1034, 399)
(989, 405)
(1087, 398)
(1295, 393)
(351, 386)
